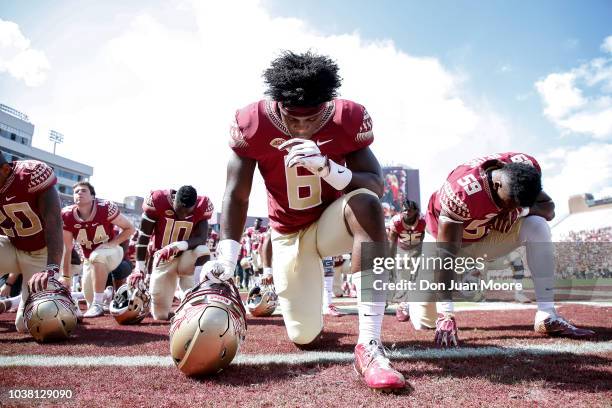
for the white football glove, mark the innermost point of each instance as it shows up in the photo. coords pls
(307, 154)
(224, 266)
(266, 277)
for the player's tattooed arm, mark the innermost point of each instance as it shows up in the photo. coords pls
(200, 235)
(366, 172)
(68, 239)
(147, 227)
(544, 207)
(236, 198)
(49, 204)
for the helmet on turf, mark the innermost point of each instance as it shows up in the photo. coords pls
(50, 314)
(130, 305)
(262, 302)
(207, 329)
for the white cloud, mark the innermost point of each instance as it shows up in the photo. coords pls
(584, 169)
(18, 58)
(607, 45)
(580, 100)
(152, 110)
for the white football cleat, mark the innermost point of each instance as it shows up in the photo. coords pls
(95, 310)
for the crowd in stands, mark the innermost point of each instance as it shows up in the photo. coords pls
(585, 254)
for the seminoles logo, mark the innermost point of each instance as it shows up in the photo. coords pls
(277, 142)
(169, 213)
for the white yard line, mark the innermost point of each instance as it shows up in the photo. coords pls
(310, 357)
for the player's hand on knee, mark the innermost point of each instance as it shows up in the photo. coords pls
(169, 252)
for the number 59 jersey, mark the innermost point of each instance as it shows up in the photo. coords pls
(465, 196)
(158, 206)
(96, 230)
(20, 218)
(296, 197)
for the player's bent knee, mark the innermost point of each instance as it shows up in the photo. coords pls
(306, 341)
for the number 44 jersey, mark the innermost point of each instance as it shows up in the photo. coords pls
(465, 197)
(20, 218)
(296, 197)
(94, 231)
(158, 206)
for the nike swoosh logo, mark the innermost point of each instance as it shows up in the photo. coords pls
(10, 198)
(340, 172)
(319, 143)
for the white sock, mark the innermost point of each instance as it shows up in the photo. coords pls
(327, 295)
(545, 310)
(370, 321)
(196, 274)
(535, 233)
(98, 298)
(77, 296)
(446, 307)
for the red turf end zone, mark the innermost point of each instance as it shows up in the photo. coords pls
(561, 379)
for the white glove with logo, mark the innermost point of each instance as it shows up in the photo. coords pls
(307, 154)
(223, 267)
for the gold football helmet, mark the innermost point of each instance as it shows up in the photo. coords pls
(262, 301)
(130, 305)
(207, 329)
(50, 314)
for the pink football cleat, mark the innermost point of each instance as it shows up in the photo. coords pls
(372, 364)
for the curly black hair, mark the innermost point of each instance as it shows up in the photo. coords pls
(187, 196)
(302, 80)
(525, 182)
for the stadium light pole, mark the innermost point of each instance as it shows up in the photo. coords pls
(55, 137)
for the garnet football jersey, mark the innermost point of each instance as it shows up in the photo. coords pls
(20, 217)
(465, 196)
(256, 236)
(168, 227)
(296, 197)
(408, 235)
(96, 230)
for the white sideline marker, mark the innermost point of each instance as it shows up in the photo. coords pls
(312, 357)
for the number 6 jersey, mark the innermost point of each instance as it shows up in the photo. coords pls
(465, 197)
(168, 227)
(20, 218)
(296, 197)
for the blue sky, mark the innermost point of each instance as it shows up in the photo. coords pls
(444, 82)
